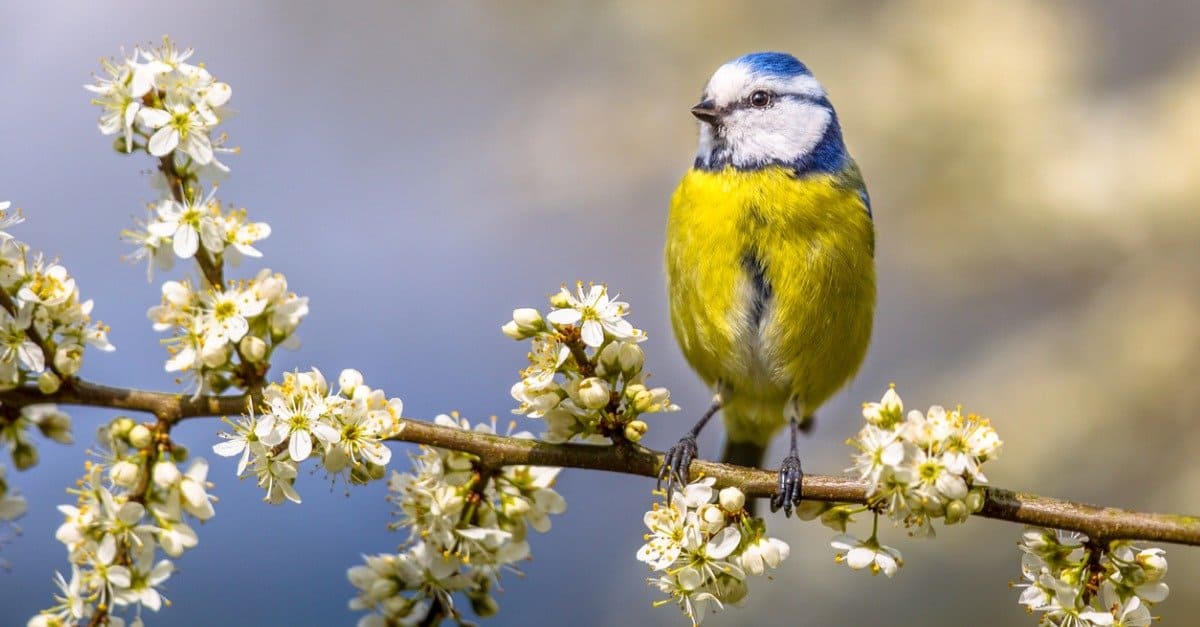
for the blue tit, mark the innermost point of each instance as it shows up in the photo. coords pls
(769, 261)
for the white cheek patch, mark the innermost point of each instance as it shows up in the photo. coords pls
(785, 132)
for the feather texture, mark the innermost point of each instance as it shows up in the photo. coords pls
(771, 280)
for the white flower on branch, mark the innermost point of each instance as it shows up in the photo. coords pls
(188, 224)
(158, 96)
(585, 376)
(705, 545)
(466, 525)
(924, 465)
(116, 95)
(596, 314)
(116, 536)
(858, 554)
(246, 320)
(300, 418)
(1073, 581)
(18, 348)
(8, 219)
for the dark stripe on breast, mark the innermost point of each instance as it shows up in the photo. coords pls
(761, 295)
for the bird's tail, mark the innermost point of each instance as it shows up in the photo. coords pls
(749, 454)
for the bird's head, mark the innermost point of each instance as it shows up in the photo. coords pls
(763, 109)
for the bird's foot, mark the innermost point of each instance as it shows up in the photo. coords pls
(676, 463)
(790, 478)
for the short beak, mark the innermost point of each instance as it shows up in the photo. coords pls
(706, 111)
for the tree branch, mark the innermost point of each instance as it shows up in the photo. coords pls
(1101, 524)
(163, 405)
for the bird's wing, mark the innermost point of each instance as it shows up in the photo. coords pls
(851, 177)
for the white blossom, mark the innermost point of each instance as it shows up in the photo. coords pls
(702, 549)
(596, 314)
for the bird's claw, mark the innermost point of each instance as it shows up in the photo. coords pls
(676, 463)
(790, 478)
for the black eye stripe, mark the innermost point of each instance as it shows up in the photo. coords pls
(776, 97)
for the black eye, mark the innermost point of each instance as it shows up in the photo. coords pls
(760, 98)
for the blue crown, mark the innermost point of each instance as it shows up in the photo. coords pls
(774, 63)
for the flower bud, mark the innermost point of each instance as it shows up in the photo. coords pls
(732, 500)
(140, 437)
(179, 453)
(48, 382)
(349, 380)
(635, 429)
(124, 473)
(511, 329)
(956, 512)
(56, 426)
(253, 348)
(121, 426)
(631, 359)
(711, 517)
(68, 358)
(593, 393)
(975, 500)
(528, 320)
(166, 474)
(610, 357)
(24, 456)
(1153, 562)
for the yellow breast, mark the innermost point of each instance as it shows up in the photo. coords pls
(772, 284)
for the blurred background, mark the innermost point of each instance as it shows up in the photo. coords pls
(429, 167)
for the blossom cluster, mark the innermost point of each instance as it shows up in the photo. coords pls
(41, 302)
(246, 320)
(180, 228)
(923, 466)
(1072, 581)
(919, 466)
(129, 519)
(158, 101)
(704, 546)
(466, 523)
(300, 418)
(585, 377)
(223, 331)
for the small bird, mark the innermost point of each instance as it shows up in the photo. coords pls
(770, 261)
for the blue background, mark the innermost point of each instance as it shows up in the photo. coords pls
(428, 167)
